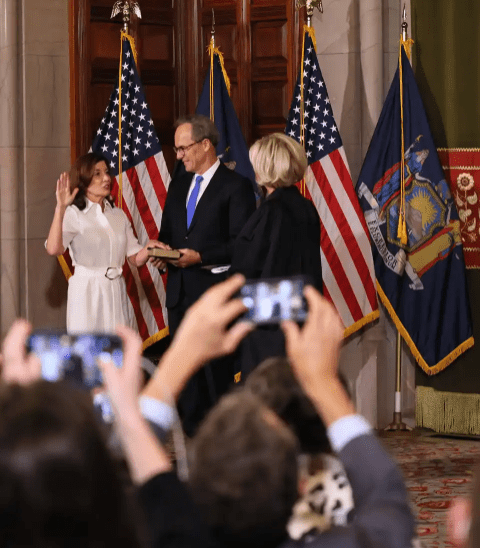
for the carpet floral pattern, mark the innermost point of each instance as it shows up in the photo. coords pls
(436, 470)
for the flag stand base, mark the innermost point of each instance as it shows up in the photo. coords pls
(397, 425)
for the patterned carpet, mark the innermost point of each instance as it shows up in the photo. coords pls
(437, 470)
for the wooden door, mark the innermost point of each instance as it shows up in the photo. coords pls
(260, 41)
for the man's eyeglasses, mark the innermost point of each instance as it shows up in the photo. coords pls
(182, 150)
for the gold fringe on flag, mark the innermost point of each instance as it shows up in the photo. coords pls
(212, 50)
(155, 338)
(429, 370)
(369, 318)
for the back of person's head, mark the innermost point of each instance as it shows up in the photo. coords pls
(275, 384)
(244, 472)
(278, 160)
(202, 128)
(58, 484)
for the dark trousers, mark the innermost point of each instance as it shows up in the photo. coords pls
(206, 386)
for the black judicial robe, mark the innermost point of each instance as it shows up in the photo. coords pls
(282, 238)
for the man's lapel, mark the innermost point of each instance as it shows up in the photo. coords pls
(182, 193)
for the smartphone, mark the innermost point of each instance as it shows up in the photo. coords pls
(74, 357)
(272, 300)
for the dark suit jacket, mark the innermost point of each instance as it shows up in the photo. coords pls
(382, 513)
(220, 215)
(282, 238)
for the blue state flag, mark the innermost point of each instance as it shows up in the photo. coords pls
(215, 103)
(420, 277)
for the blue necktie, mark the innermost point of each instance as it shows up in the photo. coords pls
(192, 201)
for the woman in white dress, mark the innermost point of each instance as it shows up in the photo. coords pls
(99, 237)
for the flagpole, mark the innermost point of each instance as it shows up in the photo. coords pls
(125, 7)
(212, 32)
(398, 424)
(310, 6)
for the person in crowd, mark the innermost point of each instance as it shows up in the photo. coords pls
(205, 210)
(326, 498)
(326, 495)
(59, 485)
(463, 518)
(282, 237)
(99, 237)
(232, 462)
(241, 476)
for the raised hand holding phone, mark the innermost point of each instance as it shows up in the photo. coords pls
(273, 300)
(145, 455)
(313, 352)
(74, 358)
(16, 366)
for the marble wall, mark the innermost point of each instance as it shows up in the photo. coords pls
(9, 165)
(45, 151)
(34, 148)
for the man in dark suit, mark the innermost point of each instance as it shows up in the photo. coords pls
(205, 210)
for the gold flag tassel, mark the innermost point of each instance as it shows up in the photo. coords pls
(402, 225)
(407, 45)
(123, 36)
(212, 50)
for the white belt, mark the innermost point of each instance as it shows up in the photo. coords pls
(110, 272)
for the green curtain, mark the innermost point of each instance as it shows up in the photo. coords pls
(446, 60)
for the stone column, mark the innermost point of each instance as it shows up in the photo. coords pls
(9, 172)
(371, 58)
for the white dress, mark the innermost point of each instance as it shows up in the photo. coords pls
(99, 243)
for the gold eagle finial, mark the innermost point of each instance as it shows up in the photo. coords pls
(310, 5)
(126, 7)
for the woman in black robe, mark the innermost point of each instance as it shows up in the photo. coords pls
(282, 237)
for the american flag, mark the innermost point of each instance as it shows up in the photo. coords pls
(144, 184)
(347, 264)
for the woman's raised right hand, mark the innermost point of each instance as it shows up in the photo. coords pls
(64, 194)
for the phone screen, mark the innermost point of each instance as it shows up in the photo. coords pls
(74, 357)
(270, 301)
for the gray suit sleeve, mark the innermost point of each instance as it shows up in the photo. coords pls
(382, 516)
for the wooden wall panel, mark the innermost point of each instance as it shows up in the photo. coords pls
(274, 28)
(158, 69)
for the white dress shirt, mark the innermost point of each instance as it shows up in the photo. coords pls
(207, 177)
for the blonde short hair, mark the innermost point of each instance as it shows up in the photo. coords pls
(278, 160)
